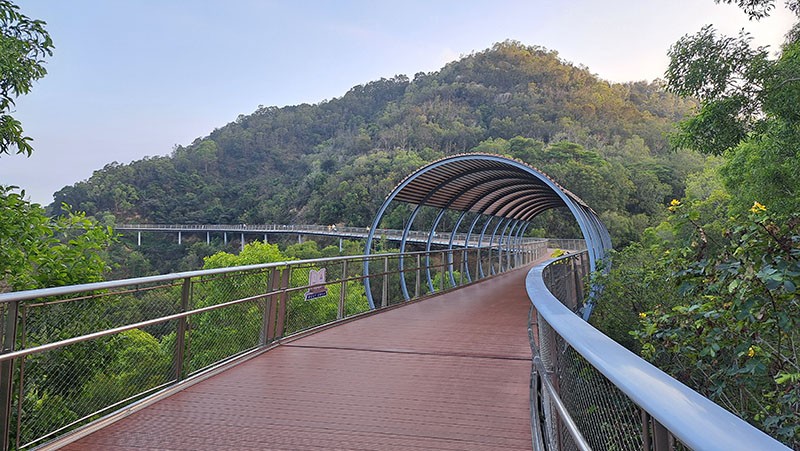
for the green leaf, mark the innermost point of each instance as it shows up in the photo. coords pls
(734, 285)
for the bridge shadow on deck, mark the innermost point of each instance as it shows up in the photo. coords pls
(451, 372)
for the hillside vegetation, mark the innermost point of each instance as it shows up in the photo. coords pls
(334, 162)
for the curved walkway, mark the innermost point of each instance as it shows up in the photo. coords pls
(451, 372)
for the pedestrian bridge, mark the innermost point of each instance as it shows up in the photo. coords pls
(244, 232)
(456, 347)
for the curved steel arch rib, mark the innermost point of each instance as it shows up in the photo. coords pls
(494, 186)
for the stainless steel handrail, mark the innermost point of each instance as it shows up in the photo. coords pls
(692, 418)
(95, 286)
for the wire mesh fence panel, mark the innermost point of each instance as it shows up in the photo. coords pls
(319, 294)
(354, 293)
(72, 385)
(565, 440)
(606, 417)
(393, 287)
(411, 275)
(218, 334)
(435, 274)
(221, 288)
(53, 319)
(378, 280)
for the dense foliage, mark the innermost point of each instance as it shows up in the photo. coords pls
(711, 294)
(36, 252)
(333, 162)
(715, 303)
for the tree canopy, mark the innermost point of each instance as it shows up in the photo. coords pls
(748, 112)
(24, 43)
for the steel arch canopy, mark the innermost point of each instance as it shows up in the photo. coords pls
(493, 186)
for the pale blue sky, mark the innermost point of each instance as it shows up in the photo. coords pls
(134, 78)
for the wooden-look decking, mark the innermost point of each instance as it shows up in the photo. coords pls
(448, 373)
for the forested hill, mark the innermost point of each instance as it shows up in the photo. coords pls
(334, 162)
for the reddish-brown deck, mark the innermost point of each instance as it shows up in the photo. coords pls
(451, 373)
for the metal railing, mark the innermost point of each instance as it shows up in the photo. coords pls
(312, 229)
(588, 392)
(71, 355)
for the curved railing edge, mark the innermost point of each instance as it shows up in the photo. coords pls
(695, 420)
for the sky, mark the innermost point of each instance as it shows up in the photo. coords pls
(134, 78)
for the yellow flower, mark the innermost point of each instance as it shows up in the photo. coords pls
(643, 315)
(757, 208)
(675, 202)
(751, 352)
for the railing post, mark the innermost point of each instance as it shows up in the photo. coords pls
(645, 430)
(272, 303)
(443, 259)
(450, 265)
(385, 290)
(342, 292)
(9, 337)
(284, 299)
(419, 276)
(655, 437)
(180, 336)
(578, 279)
(478, 266)
(462, 267)
(266, 309)
(660, 436)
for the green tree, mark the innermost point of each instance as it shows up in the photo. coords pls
(24, 43)
(748, 112)
(758, 9)
(252, 254)
(37, 252)
(729, 77)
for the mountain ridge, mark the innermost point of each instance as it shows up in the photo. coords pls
(334, 161)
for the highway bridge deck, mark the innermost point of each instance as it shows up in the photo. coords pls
(447, 373)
